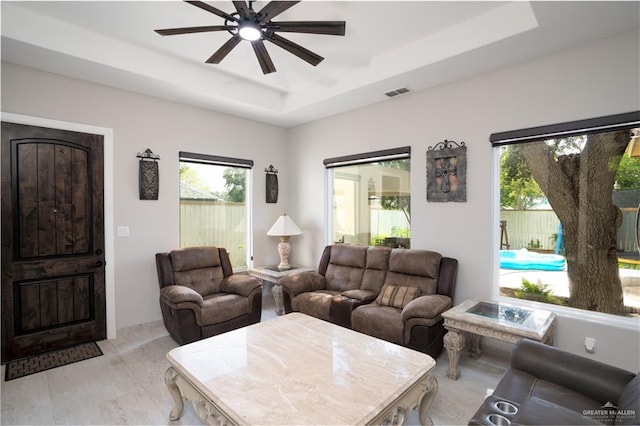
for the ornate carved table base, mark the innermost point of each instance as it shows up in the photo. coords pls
(419, 397)
(180, 389)
(535, 325)
(273, 275)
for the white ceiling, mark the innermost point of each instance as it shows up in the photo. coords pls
(388, 45)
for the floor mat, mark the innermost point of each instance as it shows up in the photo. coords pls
(46, 361)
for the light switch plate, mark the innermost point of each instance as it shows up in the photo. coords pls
(123, 231)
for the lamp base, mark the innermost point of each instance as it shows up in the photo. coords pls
(284, 248)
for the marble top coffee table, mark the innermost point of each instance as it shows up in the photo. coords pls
(498, 320)
(296, 369)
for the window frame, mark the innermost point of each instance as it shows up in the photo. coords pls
(350, 160)
(217, 160)
(614, 122)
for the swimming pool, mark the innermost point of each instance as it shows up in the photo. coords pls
(526, 260)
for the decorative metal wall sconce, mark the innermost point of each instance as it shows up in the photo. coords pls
(447, 172)
(272, 184)
(148, 176)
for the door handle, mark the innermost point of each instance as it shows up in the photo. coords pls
(98, 264)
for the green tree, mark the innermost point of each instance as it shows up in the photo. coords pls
(579, 187)
(235, 183)
(518, 188)
(628, 175)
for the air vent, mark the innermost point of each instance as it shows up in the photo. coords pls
(400, 91)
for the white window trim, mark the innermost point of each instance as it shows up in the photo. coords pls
(611, 320)
(225, 161)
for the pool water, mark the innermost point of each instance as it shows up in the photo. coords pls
(526, 260)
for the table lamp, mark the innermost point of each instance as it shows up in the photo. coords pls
(284, 228)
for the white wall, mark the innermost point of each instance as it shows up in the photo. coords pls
(141, 122)
(584, 82)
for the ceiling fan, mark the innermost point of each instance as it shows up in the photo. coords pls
(247, 24)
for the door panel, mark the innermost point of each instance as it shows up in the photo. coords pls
(52, 240)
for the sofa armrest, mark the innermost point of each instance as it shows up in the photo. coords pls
(428, 306)
(242, 285)
(303, 282)
(536, 411)
(176, 294)
(603, 383)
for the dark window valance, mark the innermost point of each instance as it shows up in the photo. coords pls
(608, 123)
(215, 159)
(368, 157)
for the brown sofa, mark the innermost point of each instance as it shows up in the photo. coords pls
(548, 386)
(201, 297)
(394, 294)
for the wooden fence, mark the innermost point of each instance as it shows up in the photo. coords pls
(217, 223)
(539, 229)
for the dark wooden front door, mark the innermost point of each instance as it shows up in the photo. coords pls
(53, 292)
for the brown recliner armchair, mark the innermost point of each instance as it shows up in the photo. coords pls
(201, 297)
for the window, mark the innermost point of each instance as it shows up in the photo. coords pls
(569, 197)
(370, 198)
(214, 204)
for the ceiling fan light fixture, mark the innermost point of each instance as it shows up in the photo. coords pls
(249, 30)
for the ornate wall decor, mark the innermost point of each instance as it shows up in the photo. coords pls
(148, 176)
(447, 172)
(272, 184)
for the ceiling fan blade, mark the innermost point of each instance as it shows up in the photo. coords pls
(274, 8)
(263, 57)
(241, 7)
(215, 11)
(312, 27)
(190, 30)
(224, 50)
(291, 47)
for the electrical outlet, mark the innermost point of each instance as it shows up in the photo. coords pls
(123, 231)
(590, 344)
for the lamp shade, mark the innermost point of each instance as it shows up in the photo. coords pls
(284, 226)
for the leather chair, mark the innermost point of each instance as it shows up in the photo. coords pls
(548, 386)
(201, 297)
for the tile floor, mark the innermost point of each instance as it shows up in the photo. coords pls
(126, 385)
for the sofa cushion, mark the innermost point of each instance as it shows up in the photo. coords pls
(629, 404)
(414, 268)
(221, 307)
(383, 322)
(194, 258)
(349, 255)
(199, 268)
(205, 281)
(346, 267)
(315, 303)
(396, 296)
(376, 268)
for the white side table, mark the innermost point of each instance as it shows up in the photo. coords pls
(275, 275)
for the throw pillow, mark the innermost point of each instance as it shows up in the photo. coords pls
(396, 296)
